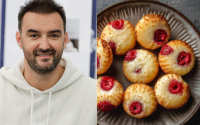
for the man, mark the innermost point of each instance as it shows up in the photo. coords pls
(43, 88)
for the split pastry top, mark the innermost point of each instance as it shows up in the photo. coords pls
(176, 57)
(171, 91)
(104, 56)
(109, 93)
(139, 100)
(120, 35)
(152, 31)
(140, 66)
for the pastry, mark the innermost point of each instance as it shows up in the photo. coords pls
(109, 93)
(120, 35)
(140, 66)
(104, 56)
(176, 57)
(152, 31)
(171, 91)
(139, 100)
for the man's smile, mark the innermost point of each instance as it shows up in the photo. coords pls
(44, 55)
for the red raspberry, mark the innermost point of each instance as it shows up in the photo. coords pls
(138, 71)
(107, 83)
(112, 46)
(159, 36)
(130, 55)
(135, 107)
(175, 87)
(118, 24)
(105, 106)
(166, 50)
(184, 58)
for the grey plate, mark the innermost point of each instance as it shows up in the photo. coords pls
(182, 29)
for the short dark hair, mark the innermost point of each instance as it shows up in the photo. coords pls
(41, 7)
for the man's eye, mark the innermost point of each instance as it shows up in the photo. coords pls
(54, 35)
(34, 35)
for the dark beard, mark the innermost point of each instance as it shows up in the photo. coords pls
(31, 59)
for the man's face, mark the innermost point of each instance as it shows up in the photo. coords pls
(42, 39)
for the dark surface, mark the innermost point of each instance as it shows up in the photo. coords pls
(189, 8)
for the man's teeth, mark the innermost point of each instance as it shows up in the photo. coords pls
(45, 55)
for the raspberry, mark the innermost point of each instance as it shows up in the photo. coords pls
(184, 58)
(98, 62)
(107, 83)
(159, 36)
(130, 55)
(112, 46)
(166, 50)
(105, 106)
(138, 71)
(135, 107)
(175, 87)
(118, 24)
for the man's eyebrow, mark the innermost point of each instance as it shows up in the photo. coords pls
(32, 30)
(55, 31)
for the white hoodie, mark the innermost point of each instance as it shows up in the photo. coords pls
(71, 101)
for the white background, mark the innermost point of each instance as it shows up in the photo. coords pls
(74, 9)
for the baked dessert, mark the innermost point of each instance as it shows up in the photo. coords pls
(120, 35)
(109, 93)
(139, 100)
(152, 31)
(104, 56)
(140, 66)
(171, 91)
(176, 57)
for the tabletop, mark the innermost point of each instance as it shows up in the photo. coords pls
(189, 8)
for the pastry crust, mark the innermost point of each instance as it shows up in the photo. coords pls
(114, 96)
(105, 56)
(141, 93)
(144, 60)
(169, 64)
(145, 28)
(124, 38)
(165, 98)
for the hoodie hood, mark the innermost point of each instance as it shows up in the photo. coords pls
(73, 96)
(14, 75)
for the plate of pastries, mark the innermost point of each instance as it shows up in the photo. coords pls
(148, 63)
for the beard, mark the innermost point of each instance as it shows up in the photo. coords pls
(46, 69)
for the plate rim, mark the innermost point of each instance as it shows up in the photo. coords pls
(155, 2)
(170, 8)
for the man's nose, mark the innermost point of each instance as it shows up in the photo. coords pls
(44, 43)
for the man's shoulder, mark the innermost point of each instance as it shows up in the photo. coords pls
(3, 73)
(3, 80)
(1, 77)
(5, 76)
(87, 82)
(89, 79)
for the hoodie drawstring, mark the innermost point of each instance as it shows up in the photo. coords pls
(32, 107)
(48, 107)
(32, 97)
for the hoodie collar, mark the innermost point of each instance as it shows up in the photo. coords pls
(14, 75)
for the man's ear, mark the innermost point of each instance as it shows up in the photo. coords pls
(19, 40)
(65, 40)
